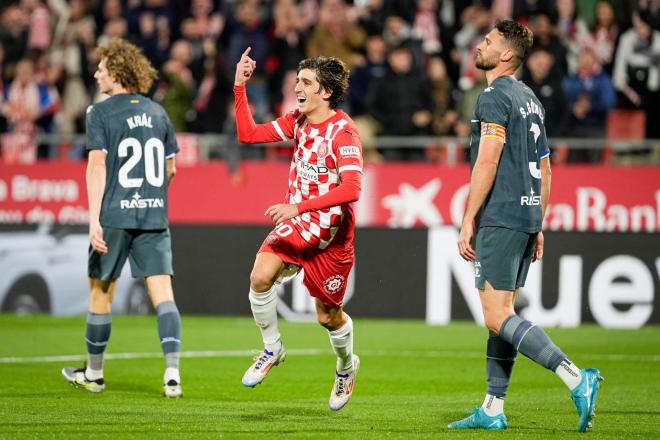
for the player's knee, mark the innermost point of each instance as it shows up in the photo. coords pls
(331, 321)
(260, 281)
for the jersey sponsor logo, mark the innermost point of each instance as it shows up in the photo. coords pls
(334, 283)
(531, 199)
(139, 121)
(137, 202)
(310, 171)
(350, 150)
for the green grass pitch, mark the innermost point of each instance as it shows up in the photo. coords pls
(414, 379)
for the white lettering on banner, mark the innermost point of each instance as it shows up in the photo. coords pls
(591, 209)
(3, 190)
(11, 216)
(443, 262)
(567, 310)
(412, 204)
(39, 215)
(606, 290)
(458, 201)
(73, 215)
(25, 189)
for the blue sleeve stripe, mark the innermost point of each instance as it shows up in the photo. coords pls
(543, 154)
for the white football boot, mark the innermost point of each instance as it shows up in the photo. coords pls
(343, 387)
(172, 383)
(262, 365)
(77, 378)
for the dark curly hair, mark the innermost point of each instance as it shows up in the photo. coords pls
(517, 36)
(332, 75)
(127, 65)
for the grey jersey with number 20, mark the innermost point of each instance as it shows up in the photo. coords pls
(138, 137)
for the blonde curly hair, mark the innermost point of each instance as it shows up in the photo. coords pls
(127, 65)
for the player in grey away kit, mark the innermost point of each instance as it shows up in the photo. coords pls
(131, 145)
(509, 191)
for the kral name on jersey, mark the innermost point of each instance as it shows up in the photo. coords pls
(310, 171)
(139, 121)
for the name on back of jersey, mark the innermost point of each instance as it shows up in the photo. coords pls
(532, 108)
(310, 171)
(142, 120)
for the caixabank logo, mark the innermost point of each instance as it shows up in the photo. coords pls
(296, 304)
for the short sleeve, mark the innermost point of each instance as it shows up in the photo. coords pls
(542, 146)
(493, 107)
(348, 150)
(171, 145)
(96, 138)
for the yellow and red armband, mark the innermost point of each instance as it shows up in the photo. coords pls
(490, 129)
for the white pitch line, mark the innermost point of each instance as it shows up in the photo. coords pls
(311, 352)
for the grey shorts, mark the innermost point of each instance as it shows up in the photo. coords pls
(149, 253)
(503, 257)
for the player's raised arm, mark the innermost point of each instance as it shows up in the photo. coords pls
(249, 132)
(244, 68)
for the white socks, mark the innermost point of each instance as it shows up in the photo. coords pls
(93, 374)
(569, 373)
(342, 344)
(171, 374)
(493, 405)
(264, 310)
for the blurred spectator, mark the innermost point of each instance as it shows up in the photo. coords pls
(401, 103)
(476, 24)
(39, 23)
(287, 46)
(175, 90)
(337, 34)
(603, 35)
(363, 76)
(545, 38)
(444, 117)
(467, 102)
(548, 88)
(154, 38)
(524, 9)
(426, 27)
(13, 37)
(25, 102)
(213, 94)
(73, 58)
(371, 15)
(589, 96)
(637, 70)
(569, 31)
(248, 27)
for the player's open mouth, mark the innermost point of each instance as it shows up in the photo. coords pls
(301, 100)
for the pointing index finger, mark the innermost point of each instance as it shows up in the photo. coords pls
(247, 52)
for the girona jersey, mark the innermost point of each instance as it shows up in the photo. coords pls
(321, 153)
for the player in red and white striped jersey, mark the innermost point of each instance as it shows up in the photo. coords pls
(314, 227)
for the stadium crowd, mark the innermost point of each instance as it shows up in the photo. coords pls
(411, 61)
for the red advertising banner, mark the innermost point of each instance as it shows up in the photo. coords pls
(396, 195)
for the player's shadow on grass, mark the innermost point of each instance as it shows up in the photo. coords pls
(135, 387)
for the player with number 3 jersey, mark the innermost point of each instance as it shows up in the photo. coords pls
(131, 146)
(314, 225)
